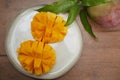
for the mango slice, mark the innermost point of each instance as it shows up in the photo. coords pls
(36, 57)
(48, 27)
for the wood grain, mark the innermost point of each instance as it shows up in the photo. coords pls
(100, 60)
(8, 72)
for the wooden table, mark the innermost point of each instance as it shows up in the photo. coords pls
(100, 60)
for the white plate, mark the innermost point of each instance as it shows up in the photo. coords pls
(67, 51)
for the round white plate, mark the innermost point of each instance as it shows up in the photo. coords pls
(67, 52)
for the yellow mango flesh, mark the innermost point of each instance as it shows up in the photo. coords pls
(39, 59)
(46, 25)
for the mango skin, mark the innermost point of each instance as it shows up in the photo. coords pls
(106, 15)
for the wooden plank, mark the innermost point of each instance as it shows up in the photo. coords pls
(100, 60)
(8, 72)
(98, 65)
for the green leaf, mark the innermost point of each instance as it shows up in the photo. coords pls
(93, 2)
(59, 6)
(73, 14)
(84, 20)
